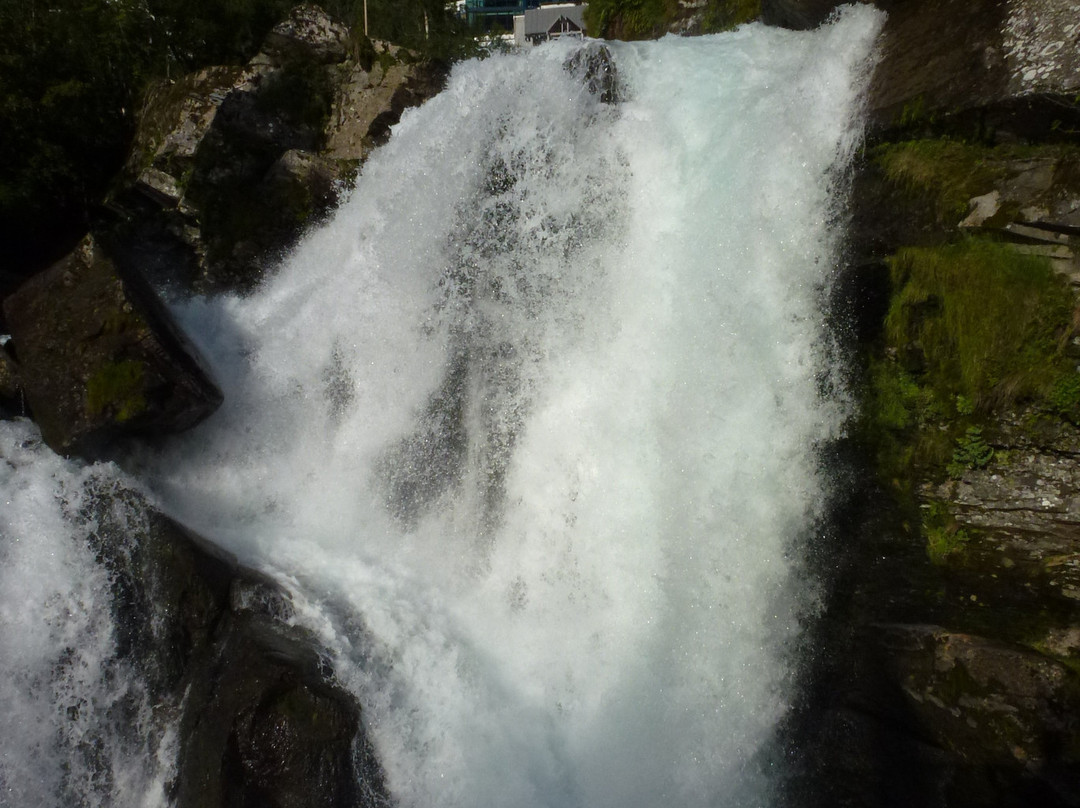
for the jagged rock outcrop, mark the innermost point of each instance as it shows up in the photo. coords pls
(261, 720)
(1012, 67)
(231, 164)
(97, 358)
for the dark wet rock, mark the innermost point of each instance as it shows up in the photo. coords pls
(9, 384)
(264, 725)
(800, 15)
(594, 65)
(1006, 715)
(261, 720)
(98, 357)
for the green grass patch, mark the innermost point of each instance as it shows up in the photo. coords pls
(944, 537)
(973, 329)
(947, 172)
(984, 323)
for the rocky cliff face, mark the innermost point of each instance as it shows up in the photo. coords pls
(950, 670)
(949, 675)
(231, 164)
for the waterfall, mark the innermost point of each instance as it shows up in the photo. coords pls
(529, 430)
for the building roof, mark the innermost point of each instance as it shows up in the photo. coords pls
(539, 21)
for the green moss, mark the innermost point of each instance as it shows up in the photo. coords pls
(983, 321)
(723, 15)
(943, 536)
(117, 387)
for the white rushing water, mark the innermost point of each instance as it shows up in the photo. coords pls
(529, 427)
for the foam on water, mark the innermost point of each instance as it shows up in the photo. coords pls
(78, 728)
(529, 428)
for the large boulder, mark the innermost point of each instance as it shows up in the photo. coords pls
(231, 164)
(261, 720)
(97, 356)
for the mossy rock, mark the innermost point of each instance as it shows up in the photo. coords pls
(97, 357)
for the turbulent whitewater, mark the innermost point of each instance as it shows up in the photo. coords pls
(530, 430)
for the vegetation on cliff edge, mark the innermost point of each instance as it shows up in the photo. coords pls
(646, 19)
(973, 328)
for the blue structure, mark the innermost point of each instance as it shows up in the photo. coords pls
(497, 13)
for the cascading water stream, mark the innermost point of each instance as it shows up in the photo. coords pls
(529, 427)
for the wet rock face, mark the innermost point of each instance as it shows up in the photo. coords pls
(1006, 714)
(1005, 67)
(96, 359)
(261, 721)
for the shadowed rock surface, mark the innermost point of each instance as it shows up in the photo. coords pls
(231, 165)
(262, 722)
(96, 359)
